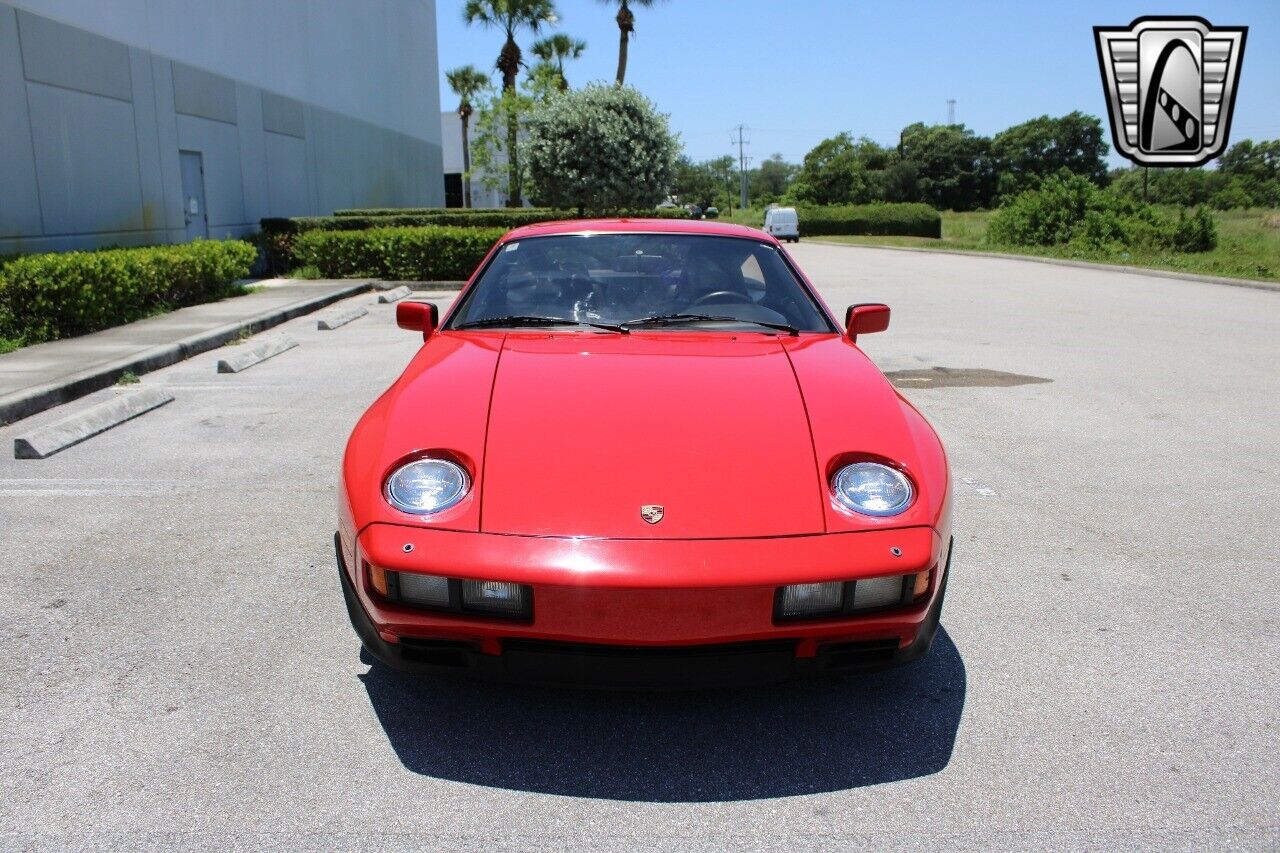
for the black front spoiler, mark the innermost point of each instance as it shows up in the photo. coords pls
(635, 667)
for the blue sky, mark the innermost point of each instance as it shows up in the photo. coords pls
(796, 71)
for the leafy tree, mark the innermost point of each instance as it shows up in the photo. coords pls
(844, 170)
(953, 165)
(872, 155)
(769, 181)
(626, 26)
(1027, 153)
(1256, 165)
(542, 83)
(897, 182)
(555, 50)
(694, 183)
(510, 16)
(1232, 195)
(724, 171)
(601, 148)
(496, 168)
(1181, 187)
(468, 83)
(832, 173)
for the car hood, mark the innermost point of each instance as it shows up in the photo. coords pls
(732, 435)
(585, 431)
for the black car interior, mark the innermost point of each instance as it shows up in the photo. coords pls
(616, 278)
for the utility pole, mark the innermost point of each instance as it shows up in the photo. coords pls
(951, 110)
(742, 169)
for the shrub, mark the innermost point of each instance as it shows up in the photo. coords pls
(912, 220)
(515, 212)
(278, 235)
(1070, 210)
(50, 296)
(430, 211)
(393, 211)
(430, 253)
(1231, 196)
(1195, 233)
(600, 148)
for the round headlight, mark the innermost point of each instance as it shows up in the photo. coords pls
(872, 489)
(427, 486)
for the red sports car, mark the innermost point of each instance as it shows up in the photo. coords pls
(643, 452)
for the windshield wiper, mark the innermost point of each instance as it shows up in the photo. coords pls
(529, 320)
(675, 319)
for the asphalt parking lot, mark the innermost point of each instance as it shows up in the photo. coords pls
(176, 667)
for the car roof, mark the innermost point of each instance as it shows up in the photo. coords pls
(639, 226)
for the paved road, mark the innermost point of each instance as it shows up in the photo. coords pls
(176, 667)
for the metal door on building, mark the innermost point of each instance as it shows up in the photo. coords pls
(194, 210)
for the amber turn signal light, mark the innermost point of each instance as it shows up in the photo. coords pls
(377, 579)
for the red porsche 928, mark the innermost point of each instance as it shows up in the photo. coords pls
(639, 452)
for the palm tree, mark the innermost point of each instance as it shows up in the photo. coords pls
(555, 50)
(626, 26)
(467, 82)
(510, 16)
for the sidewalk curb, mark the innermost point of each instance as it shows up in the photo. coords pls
(1251, 284)
(31, 401)
(392, 284)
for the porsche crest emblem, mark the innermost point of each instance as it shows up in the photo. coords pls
(651, 513)
(1170, 84)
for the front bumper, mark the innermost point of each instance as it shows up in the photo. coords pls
(624, 627)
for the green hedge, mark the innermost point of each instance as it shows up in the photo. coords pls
(429, 253)
(351, 220)
(911, 220)
(278, 235)
(45, 297)
(430, 211)
(488, 219)
(663, 213)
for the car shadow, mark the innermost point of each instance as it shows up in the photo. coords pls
(782, 740)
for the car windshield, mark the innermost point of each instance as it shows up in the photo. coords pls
(651, 281)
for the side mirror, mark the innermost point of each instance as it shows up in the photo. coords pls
(418, 317)
(865, 319)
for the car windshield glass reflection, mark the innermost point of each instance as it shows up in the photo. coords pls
(622, 282)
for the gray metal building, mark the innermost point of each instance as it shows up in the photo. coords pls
(130, 122)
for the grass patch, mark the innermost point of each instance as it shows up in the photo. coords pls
(1248, 245)
(242, 337)
(128, 378)
(307, 273)
(10, 344)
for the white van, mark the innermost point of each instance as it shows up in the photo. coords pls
(782, 223)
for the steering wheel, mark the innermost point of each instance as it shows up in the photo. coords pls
(719, 297)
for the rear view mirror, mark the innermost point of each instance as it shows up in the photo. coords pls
(865, 319)
(418, 317)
